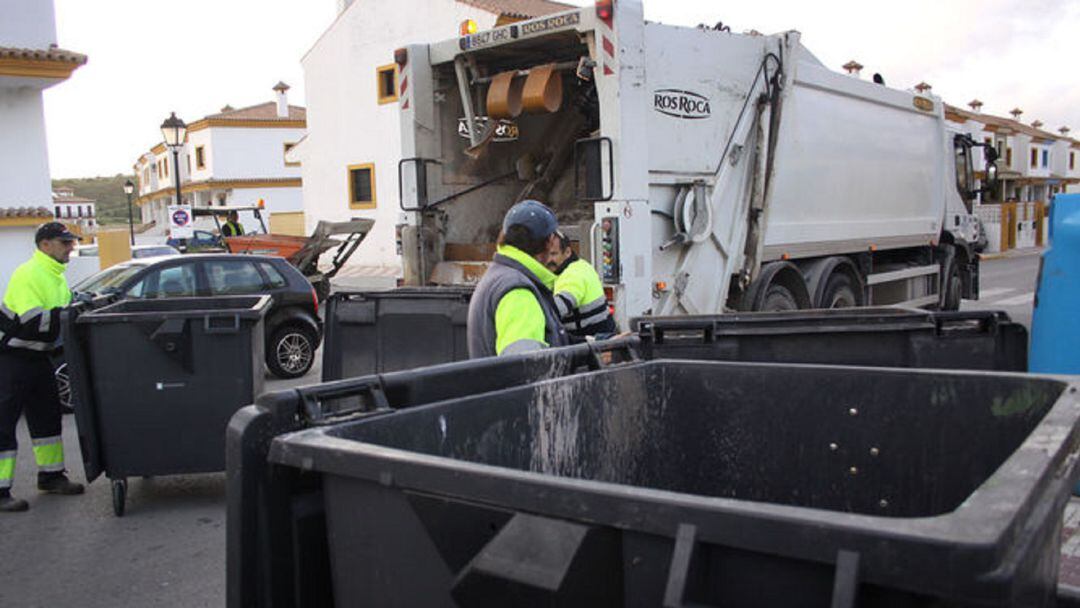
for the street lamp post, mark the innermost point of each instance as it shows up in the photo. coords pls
(174, 131)
(129, 188)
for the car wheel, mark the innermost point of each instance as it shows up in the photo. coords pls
(291, 351)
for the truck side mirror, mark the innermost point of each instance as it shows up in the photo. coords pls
(991, 181)
(594, 169)
(412, 183)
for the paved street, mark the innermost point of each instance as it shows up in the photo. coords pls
(1008, 284)
(169, 550)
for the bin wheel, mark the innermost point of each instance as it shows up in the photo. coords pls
(119, 496)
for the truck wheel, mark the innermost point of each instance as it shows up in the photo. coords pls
(291, 351)
(779, 298)
(951, 289)
(840, 293)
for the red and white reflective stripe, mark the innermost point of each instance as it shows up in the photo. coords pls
(404, 88)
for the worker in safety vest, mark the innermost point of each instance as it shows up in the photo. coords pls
(579, 294)
(29, 331)
(512, 310)
(232, 227)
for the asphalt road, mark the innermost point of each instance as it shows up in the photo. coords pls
(169, 550)
(1008, 284)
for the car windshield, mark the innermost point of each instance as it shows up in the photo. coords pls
(149, 252)
(107, 281)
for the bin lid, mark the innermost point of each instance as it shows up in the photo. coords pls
(127, 311)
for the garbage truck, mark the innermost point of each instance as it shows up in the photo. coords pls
(700, 170)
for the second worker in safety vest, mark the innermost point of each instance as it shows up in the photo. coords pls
(579, 293)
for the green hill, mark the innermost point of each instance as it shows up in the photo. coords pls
(107, 191)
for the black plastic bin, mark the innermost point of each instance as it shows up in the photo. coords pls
(875, 337)
(156, 382)
(551, 479)
(382, 331)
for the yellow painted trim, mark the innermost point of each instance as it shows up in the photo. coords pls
(158, 149)
(352, 196)
(285, 150)
(249, 123)
(384, 99)
(36, 68)
(22, 221)
(220, 185)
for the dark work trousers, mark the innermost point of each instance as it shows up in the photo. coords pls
(27, 386)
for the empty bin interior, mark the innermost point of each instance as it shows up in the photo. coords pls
(890, 443)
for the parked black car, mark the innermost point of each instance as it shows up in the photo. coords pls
(293, 328)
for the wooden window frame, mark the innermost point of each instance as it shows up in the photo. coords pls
(1034, 157)
(200, 157)
(352, 195)
(1072, 160)
(385, 99)
(285, 147)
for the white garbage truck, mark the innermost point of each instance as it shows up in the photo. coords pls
(700, 170)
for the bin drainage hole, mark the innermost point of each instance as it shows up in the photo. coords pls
(874, 451)
(883, 503)
(833, 447)
(853, 412)
(854, 470)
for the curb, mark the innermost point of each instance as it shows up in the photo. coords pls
(1012, 253)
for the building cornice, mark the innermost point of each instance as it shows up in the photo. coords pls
(55, 64)
(158, 149)
(224, 184)
(246, 123)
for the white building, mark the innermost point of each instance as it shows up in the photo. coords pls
(351, 152)
(234, 157)
(30, 62)
(75, 210)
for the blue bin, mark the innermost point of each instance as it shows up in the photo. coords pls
(1055, 323)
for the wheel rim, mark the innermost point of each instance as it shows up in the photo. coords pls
(63, 385)
(294, 352)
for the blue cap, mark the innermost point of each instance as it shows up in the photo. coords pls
(537, 217)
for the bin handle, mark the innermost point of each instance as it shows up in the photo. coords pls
(313, 397)
(232, 328)
(602, 352)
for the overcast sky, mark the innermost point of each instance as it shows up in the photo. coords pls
(150, 57)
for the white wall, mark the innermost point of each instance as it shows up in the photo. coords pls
(236, 153)
(277, 199)
(347, 126)
(16, 246)
(29, 24)
(24, 158)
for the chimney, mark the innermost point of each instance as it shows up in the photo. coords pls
(853, 68)
(923, 87)
(226, 108)
(282, 99)
(1037, 124)
(975, 105)
(1064, 131)
(1016, 112)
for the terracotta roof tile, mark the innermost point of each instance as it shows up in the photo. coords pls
(1006, 123)
(20, 212)
(262, 111)
(43, 55)
(520, 8)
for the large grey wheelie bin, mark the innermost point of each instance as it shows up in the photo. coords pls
(559, 479)
(156, 381)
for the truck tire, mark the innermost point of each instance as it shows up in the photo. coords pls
(840, 292)
(951, 288)
(778, 298)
